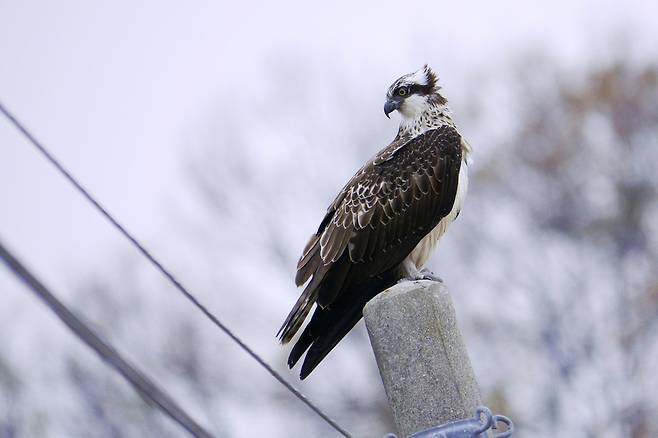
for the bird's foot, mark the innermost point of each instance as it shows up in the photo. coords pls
(423, 274)
(426, 274)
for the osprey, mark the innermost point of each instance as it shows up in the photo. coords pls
(385, 222)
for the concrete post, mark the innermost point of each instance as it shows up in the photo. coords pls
(421, 356)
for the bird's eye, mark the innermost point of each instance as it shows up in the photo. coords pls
(403, 91)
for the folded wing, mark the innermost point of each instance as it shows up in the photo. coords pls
(371, 227)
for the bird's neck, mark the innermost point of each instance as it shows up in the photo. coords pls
(433, 116)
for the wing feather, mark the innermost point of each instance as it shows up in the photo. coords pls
(422, 194)
(378, 218)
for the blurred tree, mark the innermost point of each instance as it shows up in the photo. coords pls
(577, 186)
(552, 265)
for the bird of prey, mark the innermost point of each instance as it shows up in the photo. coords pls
(385, 222)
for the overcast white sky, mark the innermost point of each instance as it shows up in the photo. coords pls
(115, 89)
(120, 90)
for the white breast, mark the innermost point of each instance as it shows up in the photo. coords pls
(425, 247)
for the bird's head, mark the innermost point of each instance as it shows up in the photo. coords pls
(413, 94)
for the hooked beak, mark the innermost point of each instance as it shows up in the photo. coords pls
(391, 105)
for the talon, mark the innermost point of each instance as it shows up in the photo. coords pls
(426, 274)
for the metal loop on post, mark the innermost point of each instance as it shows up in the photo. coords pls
(474, 427)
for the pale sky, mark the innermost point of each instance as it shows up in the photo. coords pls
(116, 89)
(120, 91)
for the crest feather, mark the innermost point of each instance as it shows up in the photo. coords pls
(431, 77)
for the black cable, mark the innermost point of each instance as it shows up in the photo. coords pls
(165, 272)
(142, 384)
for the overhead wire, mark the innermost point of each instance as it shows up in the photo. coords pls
(142, 384)
(160, 267)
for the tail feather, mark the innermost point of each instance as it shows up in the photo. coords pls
(329, 325)
(327, 280)
(302, 344)
(309, 261)
(296, 317)
(324, 344)
(302, 307)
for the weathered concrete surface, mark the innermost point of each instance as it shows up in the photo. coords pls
(421, 356)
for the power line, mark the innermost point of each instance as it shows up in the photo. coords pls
(142, 384)
(177, 284)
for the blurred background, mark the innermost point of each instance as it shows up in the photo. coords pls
(219, 132)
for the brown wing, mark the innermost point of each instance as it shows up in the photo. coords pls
(378, 218)
(400, 197)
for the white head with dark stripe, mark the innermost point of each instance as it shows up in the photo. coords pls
(416, 94)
